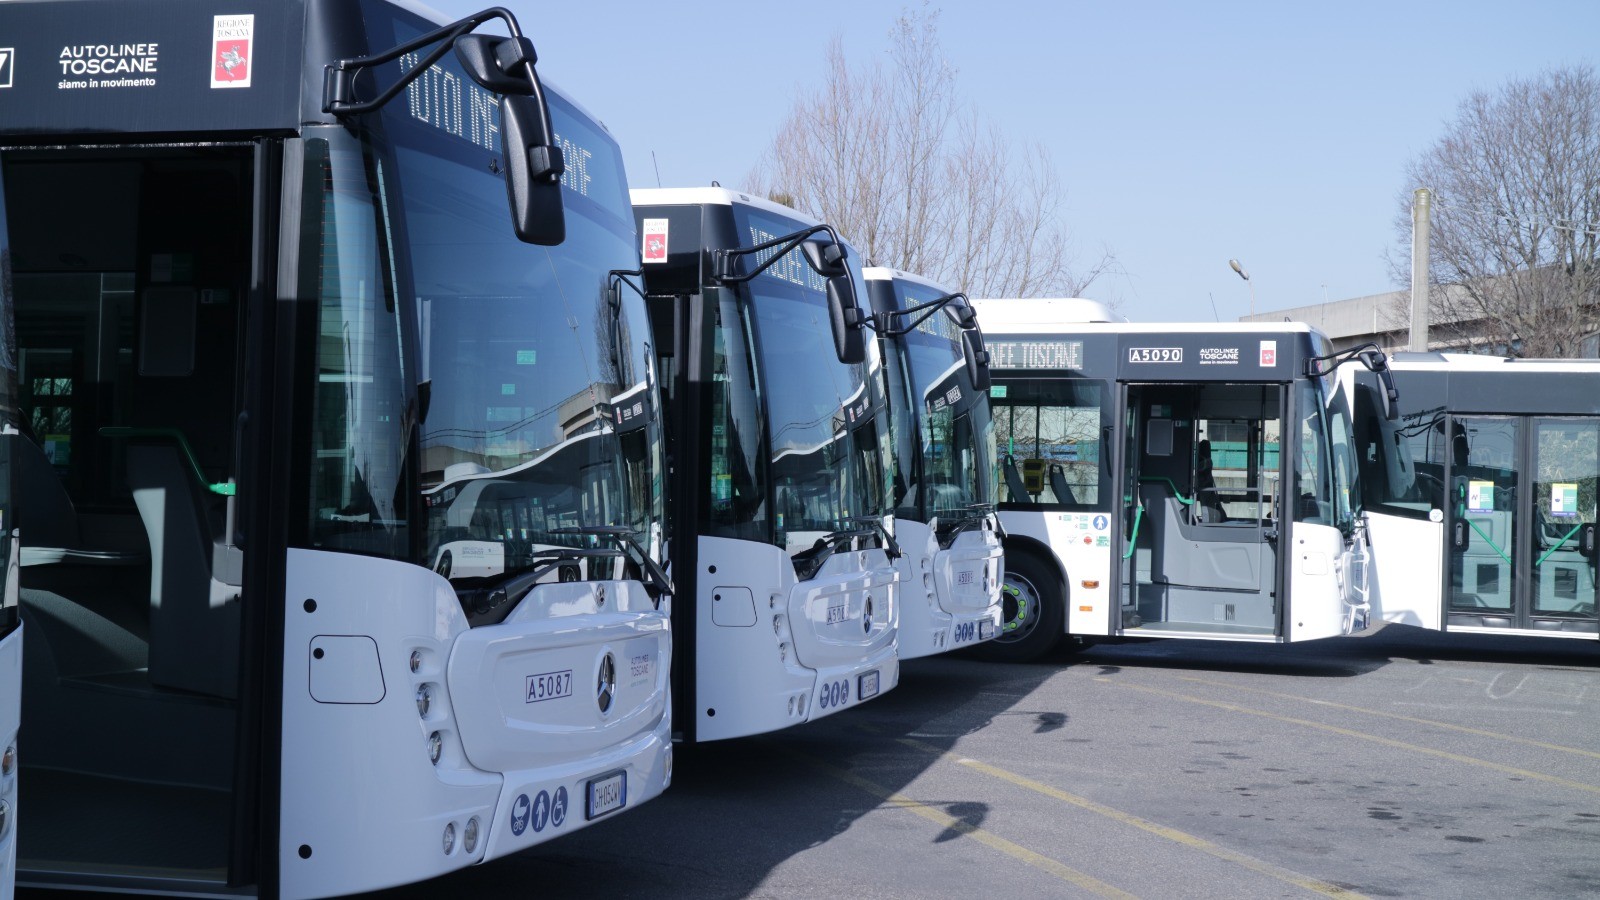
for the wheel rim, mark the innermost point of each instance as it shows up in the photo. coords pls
(1019, 605)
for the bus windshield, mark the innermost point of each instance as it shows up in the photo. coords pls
(957, 432)
(529, 390)
(826, 437)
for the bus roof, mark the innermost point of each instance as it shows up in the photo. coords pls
(884, 273)
(1478, 362)
(715, 196)
(1016, 314)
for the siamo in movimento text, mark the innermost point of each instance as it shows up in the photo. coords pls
(130, 65)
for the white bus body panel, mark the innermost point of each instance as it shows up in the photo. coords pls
(765, 661)
(10, 718)
(1322, 603)
(362, 805)
(1081, 543)
(947, 595)
(1407, 570)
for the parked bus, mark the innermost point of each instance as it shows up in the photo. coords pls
(943, 438)
(272, 327)
(1480, 498)
(778, 456)
(1171, 480)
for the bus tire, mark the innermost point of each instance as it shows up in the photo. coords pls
(1033, 620)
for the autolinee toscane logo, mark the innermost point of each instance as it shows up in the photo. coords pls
(8, 57)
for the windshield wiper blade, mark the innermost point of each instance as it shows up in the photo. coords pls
(511, 587)
(875, 525)
(974, 517)
(624, 536)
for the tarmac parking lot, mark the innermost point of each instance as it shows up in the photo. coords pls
(1400, 763)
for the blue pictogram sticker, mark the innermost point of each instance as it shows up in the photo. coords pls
(520, 808)
(558, 807)
(541, 811)
(1100, 523)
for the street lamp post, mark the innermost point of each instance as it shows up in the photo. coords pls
(1234, 265)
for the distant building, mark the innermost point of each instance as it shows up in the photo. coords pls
(1385, 319)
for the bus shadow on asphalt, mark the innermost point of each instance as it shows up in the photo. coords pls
(739, 809)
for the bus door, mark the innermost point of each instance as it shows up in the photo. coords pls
(1520, 522)
(1200, 538)
(10, 621)
(131, 281)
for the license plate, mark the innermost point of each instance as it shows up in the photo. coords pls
(985, 629)
(607, 794)
(867, 685)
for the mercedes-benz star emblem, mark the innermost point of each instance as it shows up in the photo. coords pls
(606, 690)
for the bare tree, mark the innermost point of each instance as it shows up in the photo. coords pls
(1516, 224)
(921, 181)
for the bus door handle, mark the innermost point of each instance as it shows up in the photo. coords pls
(1586, 540)
(1460, 534)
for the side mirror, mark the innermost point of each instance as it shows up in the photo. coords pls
(845, 317)
(1388, 397)
(827, 258)
(533, 172)
(964, 316)
(977, 360)
(533, 162)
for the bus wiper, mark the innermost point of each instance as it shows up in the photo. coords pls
(655, 576)
(974, 517)
(807, 563)
(875, 523)
(509, 589)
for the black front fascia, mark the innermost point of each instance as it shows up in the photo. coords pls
(679, 324)
(1519, 390)
(122, 67)
(1213, 356)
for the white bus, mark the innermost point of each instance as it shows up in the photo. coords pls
(1171, 480)
(271, 322)
(950, 570)
(1480, 498)
(778, 456)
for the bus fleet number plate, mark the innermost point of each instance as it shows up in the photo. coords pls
(608, 793)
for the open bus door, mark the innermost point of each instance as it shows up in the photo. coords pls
(10, 620)
(1200, 478)
(131, 361)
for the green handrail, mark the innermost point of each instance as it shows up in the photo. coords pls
(172, 434)
(1154, 479)
(1557, 545)
(1490, 541)
(1133, 539)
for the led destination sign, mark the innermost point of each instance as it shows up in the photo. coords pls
(1036, 354)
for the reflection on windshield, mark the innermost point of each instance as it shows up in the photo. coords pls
(826, 463)
(534, 389)
(956, 431)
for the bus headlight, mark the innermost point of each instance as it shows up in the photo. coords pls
(449, 839)
(469, 835)
(424, 700)
(435, 748)
(8, 761)
(416, 661)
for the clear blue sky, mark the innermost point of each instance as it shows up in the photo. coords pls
(1186, 133)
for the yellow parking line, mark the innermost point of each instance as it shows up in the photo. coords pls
(945, 820)
(1172, 834)
(1361, 735)
(1559, 748)
(1389, 715)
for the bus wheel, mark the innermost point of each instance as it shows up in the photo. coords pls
(1033, 607)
